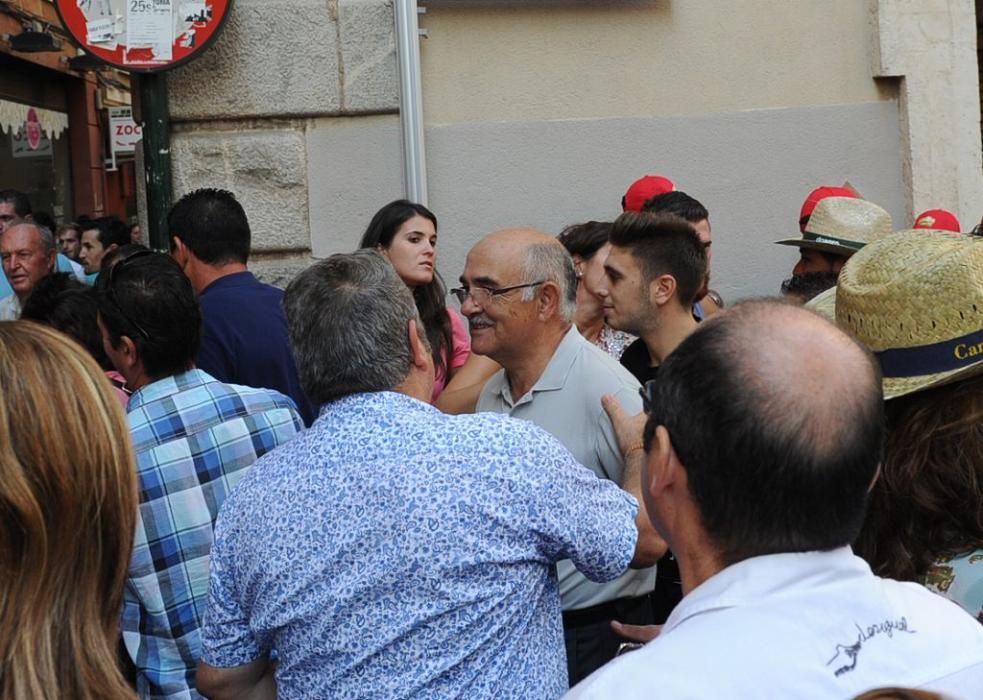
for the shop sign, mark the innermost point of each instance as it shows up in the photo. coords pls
(30, 141)
(123, 131)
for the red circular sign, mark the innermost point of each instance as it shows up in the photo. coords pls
(144, 36)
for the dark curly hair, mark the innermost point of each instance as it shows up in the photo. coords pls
(926, 503)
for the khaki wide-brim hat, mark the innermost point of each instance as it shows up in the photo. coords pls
(842, 226)
(917, 302)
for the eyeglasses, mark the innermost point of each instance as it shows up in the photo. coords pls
(647, 392)
(113, 269)
(481, 295)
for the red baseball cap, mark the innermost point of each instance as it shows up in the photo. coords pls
(939, 220)
(643, 189)
(819, 194)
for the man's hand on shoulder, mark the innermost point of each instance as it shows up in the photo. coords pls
(628, 431)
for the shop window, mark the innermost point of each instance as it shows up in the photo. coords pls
(34, 157)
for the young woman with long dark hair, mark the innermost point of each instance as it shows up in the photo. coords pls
(406, 233)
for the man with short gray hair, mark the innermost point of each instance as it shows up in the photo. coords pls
(519, 292)
(28, 254)
(393, 550)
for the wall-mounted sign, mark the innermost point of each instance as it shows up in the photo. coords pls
(123, 131)
(143, 35)
(21, 146)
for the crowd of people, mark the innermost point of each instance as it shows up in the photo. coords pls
(594, 481)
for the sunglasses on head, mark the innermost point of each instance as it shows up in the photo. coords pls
(114, 269)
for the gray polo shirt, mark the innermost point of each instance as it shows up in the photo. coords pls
(566, 401)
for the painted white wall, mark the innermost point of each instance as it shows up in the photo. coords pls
(752, 169)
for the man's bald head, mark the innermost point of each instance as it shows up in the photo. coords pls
(539, 256)
(776, 416)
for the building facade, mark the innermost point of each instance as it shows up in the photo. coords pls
(53, 122)
(541, 113)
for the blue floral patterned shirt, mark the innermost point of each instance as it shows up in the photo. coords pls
(393, 551)
(194, 439)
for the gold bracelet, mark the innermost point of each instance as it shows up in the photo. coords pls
(635, 447)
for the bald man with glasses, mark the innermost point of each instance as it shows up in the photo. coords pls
(518, 292)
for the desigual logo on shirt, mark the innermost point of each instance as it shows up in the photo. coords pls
(850, 652)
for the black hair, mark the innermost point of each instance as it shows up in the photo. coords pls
(22, 205)
(585, 239)
(430, 298)
(119, 254)
(664, 245)
(767, 475)
(67, 305)
(149, 299)
(678, 203)
(213, 225)
(111, 231)
(43, 218)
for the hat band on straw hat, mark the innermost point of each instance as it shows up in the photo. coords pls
(923, 360)
(819, 238)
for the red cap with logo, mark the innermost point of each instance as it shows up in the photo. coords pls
(939, 220)
(643, 189)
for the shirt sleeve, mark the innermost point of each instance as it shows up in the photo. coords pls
(226, 638)
(608, 453)
(576, 515)
(461, 349)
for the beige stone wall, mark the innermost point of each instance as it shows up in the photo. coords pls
(567, 60)
(243, 115)
(930, 48)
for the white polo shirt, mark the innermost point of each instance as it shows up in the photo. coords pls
(812, 625)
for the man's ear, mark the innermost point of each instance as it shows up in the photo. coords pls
(662, 289)
(127, 350)
(419, 355)
(664, 471)
(659, 456)
(179, 251)
(52, 259)
(548, 303)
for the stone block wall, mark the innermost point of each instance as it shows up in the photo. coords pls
(248, 115)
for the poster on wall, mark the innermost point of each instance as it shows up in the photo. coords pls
(21, 146)
(143, 35)
(30, 141)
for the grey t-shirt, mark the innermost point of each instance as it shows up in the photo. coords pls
(566, 402)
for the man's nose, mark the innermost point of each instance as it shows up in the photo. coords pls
(468, 307)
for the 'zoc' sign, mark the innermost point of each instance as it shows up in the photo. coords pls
(123, 131)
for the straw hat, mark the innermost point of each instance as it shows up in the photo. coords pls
(917, 302)
(824, 304)
(842, 226)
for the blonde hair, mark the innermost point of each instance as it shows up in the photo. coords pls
(68, 500)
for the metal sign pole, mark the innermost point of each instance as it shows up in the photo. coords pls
(156, 156)
(411, 100)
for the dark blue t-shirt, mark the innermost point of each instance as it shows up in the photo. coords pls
(245, 338)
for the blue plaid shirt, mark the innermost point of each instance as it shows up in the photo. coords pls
(194, 439)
